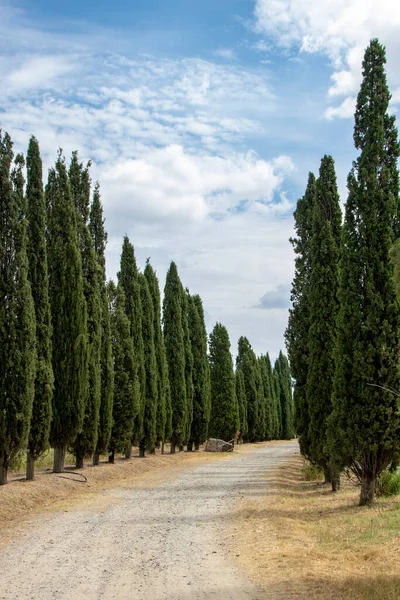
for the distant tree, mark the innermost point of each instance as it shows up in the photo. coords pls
(201, 374)
(284, 380)
(365, 425)
(17, 316)
(128, 278)
(246, 360)
(175, 352)
(69, 314)
(297, 338)
(224, 420)
(150, 363)
(324, 305)
(86, 440)
(242, 403)
(266, 397)
(99, 237)
(163, 396)
(40, 423)
(186, 300)
(126, 391)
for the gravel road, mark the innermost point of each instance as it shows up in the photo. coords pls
(160, 540)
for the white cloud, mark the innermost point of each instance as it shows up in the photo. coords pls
(340, 29)
(226, 53)
(38, 72)
(345, 110)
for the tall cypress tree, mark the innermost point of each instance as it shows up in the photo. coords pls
(175, 352)
(163, 399)
(150, 363)
(126, 403)
(69, 314)
(128, 278)
(241, 402)
(86, 440)
(266, 398)
(247, 361)
(99, 237)
(38, 277)
(299, 315)
(365, 424)
(274, 400)
(186, 300)
(284, 384)
(224, 420)
(17, 316)
(201, 373)
(325, 244)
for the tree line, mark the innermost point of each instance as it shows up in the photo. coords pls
(343, 330)
(93, 367)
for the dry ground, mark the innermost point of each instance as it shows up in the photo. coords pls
(299, 541)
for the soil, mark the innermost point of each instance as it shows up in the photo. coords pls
(160, 535)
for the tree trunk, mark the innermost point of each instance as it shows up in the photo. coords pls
(59, 458)
(172, 448)
(190, 447)
(367, 490)
(181, 447)
(128, 452)
(111, 457)
(336, 483)
(328, 474)
(142, 450)
(197, 446)
(3, 470)
(30, 466)
(96, 459)
(162, 447)
(78, 462)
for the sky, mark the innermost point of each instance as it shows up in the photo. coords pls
(202, 121)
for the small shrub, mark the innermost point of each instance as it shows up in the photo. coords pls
(388, 484)
(311, 472)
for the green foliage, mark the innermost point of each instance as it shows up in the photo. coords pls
(284, 384)
(128, 278)
(38, 278)
(297, 332)
(365, 425)
(17, 317)
(150, 363)
(241, 403)
(387, 484)
(201, 372)
(324, 281)
(267, 397)
(86, 440)
(185, 298)
(126, 403)
(68, 309)
(246, 360)
(175, 352)
(99, 237)
(312, 472)
(163, 395)
(224, 420)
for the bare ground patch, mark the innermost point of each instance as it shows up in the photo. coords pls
(298, 540)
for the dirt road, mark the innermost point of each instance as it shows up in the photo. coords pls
(158, 539)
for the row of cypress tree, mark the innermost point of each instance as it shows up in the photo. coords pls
(93, 367)
(343, 331)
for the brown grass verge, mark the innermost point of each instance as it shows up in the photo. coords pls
(298, 540)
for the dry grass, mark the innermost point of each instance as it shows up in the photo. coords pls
(298, 540)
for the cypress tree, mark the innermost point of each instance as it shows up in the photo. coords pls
(201, 373)
(69, 314)
(162, 426)
(128, 278)
(17, 316)
(126, 403)
(86, 440)
(186, 300)
(262, 403)
(365, 425)
(241, 402)
(325, 244)
(274, 400)
(297, 339)
(247, 361)
(266, 398)
(99, 237)
(284, 384)
(38, 277)
(224, 420)
(150, 363)
(175, 352)
(278, 402)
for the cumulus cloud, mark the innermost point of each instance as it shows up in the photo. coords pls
(340, 29)
(278, 297)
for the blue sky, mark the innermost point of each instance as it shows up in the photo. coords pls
(202, 121)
